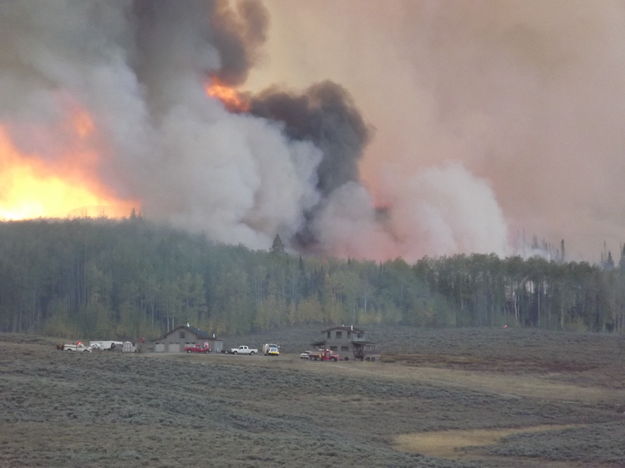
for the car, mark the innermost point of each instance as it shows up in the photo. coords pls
(305, 355)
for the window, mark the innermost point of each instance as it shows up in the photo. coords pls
(359, 335)
(334, 348)
(344, 348)
(349, 334)
(181, 334)
(339, 334)
(328, 334)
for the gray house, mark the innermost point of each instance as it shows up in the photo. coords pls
(175, 340)
(350, 342)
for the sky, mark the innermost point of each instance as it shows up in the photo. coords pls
(365, 129)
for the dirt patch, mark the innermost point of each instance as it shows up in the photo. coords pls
(552, 387)
(508, 365)
(455, 444)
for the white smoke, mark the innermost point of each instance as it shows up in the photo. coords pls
(189, 161)
(440, 211)
(446, 210)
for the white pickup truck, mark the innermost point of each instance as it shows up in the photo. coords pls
(244, 350)
(78, 347)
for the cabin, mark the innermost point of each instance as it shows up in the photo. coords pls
(350, 342)
(175, 340)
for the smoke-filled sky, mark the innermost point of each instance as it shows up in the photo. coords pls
(527, 97)
(370, 129)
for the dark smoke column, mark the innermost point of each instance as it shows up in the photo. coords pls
(325, 115)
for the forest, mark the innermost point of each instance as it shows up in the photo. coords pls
(132, 278)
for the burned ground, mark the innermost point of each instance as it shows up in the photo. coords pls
(65, 409)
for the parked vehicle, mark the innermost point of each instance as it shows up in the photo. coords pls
(305, 355)
(198, 348)
(272, 351)
(323, 355)
(105, 345)
(266, 347)
(129, 347)
(76, 347)
(244, 350)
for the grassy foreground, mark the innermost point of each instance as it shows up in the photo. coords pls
(442, 398)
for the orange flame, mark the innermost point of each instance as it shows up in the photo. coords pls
(230, 97)
(30, 187)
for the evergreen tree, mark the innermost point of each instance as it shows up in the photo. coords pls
(277, 247)
(132, 278)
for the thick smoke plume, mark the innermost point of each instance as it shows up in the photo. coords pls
(139, 69)
(326, 116)
(290, 165)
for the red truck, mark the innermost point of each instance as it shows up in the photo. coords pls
(198, 348)
(323, 355)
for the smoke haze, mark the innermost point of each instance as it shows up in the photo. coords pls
(527, 96)
(374, 130)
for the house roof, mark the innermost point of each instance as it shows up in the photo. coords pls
(353, 342)
(344, 327)
(196, 331)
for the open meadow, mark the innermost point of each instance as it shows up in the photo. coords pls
(439, 398)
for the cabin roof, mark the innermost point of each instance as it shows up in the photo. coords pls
(354, 342)
(196, 331)
(345, 328)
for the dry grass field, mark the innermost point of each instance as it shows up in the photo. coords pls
(440, 398)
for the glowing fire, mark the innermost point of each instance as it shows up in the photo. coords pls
(31, 187)
(230, 97)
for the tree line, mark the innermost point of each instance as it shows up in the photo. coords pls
(132, 278)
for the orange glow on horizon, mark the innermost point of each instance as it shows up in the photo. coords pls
(32, 187)
(230, 97)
